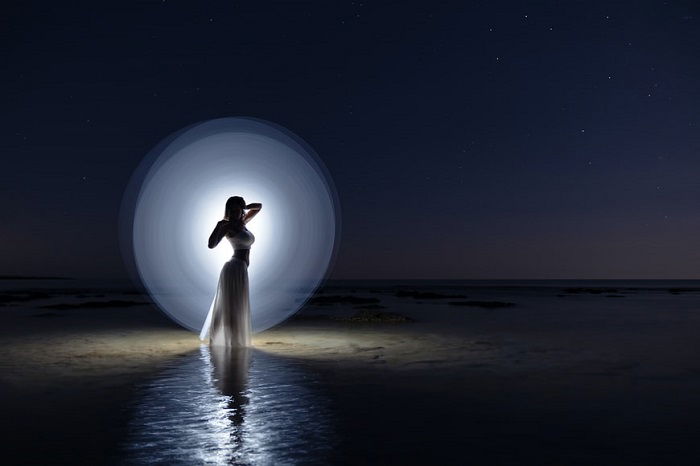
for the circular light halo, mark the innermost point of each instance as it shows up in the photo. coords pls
(178, 192)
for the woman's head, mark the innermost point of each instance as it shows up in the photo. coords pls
(234, 208)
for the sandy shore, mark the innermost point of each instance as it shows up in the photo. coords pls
(121, 343)
(613, 381)
(403, 331)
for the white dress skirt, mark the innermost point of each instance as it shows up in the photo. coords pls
(230, 310)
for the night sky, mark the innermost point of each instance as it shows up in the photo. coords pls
(485, 140)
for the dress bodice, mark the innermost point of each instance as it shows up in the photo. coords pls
(241, 240)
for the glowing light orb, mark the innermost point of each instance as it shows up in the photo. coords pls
(178, 193)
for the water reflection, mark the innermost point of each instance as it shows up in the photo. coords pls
(229, 406)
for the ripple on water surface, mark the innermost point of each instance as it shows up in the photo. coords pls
(229, 407)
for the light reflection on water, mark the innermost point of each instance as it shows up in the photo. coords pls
(228, 406)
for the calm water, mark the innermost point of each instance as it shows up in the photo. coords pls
(222, 406)
(608, 377)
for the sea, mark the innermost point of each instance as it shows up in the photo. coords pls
(592, 372)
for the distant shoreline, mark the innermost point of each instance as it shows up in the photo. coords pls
(29, 277)
(459, 280)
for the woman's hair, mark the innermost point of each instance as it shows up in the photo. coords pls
(231, 204)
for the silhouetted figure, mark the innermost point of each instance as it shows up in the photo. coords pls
(228, 322)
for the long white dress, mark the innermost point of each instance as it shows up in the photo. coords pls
(230, 310)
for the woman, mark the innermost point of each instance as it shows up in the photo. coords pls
(230, 310)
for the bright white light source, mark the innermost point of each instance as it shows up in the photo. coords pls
(178, 193)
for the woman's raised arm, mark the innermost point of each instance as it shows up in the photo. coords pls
(253, 210)
(218, 233)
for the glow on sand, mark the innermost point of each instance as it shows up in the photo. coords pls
(178, 192)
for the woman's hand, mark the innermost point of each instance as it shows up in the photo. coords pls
(253, 210)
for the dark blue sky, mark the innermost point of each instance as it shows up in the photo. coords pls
(492, 140)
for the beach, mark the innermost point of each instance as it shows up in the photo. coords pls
(506, 372)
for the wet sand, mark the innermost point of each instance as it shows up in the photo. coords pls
(559, 377)
(98, 345)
